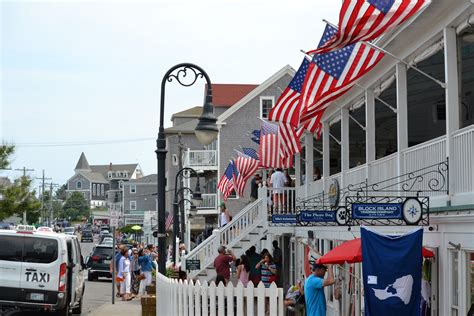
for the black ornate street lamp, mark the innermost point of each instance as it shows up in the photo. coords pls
(206, 133)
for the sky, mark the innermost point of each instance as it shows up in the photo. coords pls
(85, 76)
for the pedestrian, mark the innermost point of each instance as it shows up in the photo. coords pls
(224, 217)
(268, 270)
(117, 256)
(254, 184)
(254, 258)
(222, 262)
(124, 275)
(294, 294)
(314, 289)
(146, 266)
(243, 270)
(277, 181)
(277, 260)
(135, 268)
(317, 174)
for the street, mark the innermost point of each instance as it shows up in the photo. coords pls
(97, 292)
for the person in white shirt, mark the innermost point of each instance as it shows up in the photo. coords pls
(224, 217)
(277, 181)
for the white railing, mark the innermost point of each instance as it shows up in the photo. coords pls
(355, 175)
(383, 168)
(281, 200)
(315, 187)
(461, 165)
(209, 200)
(242, 224)
(176, 298)
(202, 158)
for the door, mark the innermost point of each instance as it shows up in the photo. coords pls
(72, 265)
(78, 272)
(11, 249)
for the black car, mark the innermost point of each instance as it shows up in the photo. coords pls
(98, 263)
(87, 235)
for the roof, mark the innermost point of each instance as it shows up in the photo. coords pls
(4, 181)
(185, 128)
(92, 176)
(104, 169)
(82, 164)
(192, 112)
(226, 95)
(151, 178)
(287, 70)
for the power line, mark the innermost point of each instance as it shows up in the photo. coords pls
(83, 143)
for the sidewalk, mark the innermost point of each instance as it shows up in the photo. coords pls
(125, 308)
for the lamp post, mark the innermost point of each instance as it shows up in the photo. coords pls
(206, 132)
(196, 199)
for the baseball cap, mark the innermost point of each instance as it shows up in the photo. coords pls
(319, 266)
(222, 204)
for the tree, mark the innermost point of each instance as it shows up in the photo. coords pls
(76, 206)
(19, 196)
(61, 192)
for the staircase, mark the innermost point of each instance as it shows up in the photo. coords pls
(245, 230)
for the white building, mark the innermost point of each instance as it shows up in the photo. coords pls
(413, 136)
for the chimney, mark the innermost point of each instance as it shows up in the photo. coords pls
(110, 167)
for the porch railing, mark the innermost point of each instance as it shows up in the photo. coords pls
(463, 160)
(209, 201)
(203, 158)
(195, 298)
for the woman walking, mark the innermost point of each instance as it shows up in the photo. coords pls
(243, 270)
(124, 274)
(268, 270)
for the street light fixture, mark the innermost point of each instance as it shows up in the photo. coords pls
(206, 132)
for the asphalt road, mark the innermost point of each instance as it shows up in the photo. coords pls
(96, 294)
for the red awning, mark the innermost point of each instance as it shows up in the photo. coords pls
(351, 252)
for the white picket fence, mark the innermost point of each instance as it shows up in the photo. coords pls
(187, 298)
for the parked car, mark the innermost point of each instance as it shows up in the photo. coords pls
(69, 230)
(45, 272)
(87, 235)
(102, 237)
(98, 263)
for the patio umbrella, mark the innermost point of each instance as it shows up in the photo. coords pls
(351, 252)
(136, 227)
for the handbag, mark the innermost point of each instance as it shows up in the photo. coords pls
(119, 279)
(141, 277)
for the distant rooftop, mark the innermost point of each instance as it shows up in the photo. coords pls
(226, 95)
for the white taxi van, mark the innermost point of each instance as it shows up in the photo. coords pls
(40, 271)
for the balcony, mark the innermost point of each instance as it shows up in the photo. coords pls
(201, 159)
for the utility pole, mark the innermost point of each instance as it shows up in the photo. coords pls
(50, 208)
(24, 169)
(43, 178)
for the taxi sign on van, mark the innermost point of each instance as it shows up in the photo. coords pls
(25, 228)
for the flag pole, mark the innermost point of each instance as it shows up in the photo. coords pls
(442, 84)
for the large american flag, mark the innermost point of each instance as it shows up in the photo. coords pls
(365, 20)
(252, 153)
(330, 75)
(246, 167)
(226, 183)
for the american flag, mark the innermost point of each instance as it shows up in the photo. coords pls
(332, 74)
(252, 153)
(169, 221)
(365, 20)
(270, 148)
(226, 183)
(287, 108)
(255, 136)
(245, 168)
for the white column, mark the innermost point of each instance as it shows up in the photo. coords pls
(297, 170)
(369, 126)
(326, 153)
(344, 144)
(402, 116)
(452, 92)
(308, 142)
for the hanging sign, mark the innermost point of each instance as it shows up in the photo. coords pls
(284, 219)
(317, 216)
(377, 210)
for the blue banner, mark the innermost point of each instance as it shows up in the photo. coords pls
(377, 210)
(317, 216)
(392, 273)
(284, 219)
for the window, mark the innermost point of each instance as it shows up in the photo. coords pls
(40, 250)
(102, 191)
(11, 248)
(94, 189)
(212, 146)
(470, 278)
(133, 188)
(109, 174)
(454, 283)
(133, 205)
(266, 104)
(79, 184)
(120, 184)
(232, 195)
(466, 73)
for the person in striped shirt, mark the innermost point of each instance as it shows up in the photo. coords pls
(268, 270)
